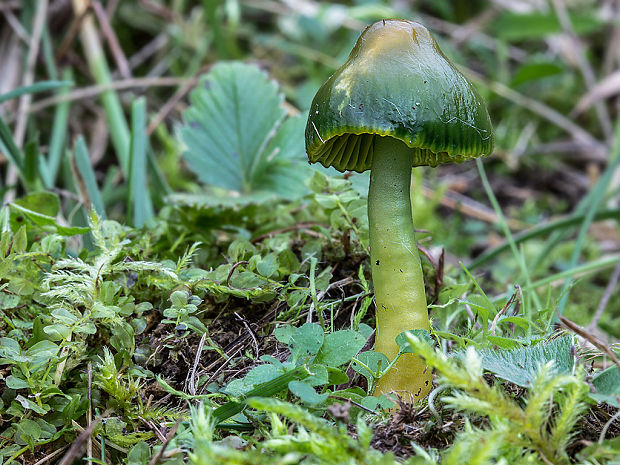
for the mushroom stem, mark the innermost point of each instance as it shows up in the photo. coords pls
(396, 269)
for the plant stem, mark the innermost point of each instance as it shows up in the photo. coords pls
(119, 129)
(396, 269)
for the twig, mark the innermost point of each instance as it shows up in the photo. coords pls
(539, 108)
(170, 104)
(232, 270)
(158, 9)
(115, 46)
(601, 438)
(488, 41)
(301, 226)
(24, 101)
(95, 90)
(250, 332)
(157, 457)
(160, 435)
(10, 5)
(221, 367)
(346, 399)
(110, 8)
(50, 456)
(69, 38)
(513, 299)
(467, 206)
(76, 448)
(89, 445)
(605, 299)
(321, 294)
(160, 41)
(589, 337)
(14, 24)
(584, 66)
(192, 383)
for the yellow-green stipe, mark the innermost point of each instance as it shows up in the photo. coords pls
(396, 102)
(396, 269)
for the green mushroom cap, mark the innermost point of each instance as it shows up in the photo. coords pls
(398, 83)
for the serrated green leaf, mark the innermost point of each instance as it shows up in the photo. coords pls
(235, 135)
(519, 366)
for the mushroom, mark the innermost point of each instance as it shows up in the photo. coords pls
(397, 102)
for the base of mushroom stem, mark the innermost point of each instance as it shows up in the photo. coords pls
(410, 379)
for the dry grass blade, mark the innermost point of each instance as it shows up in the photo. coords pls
(467, 206)
(590, 338)
(10, 5)
(608, 87)
(115, 46)
(24, 101)
(48, 458)
(170, 104)
(539, 108)
(583, 64)
(157, 457)
(96, 90)
(75, 451)
(606, 296)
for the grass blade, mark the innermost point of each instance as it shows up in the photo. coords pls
(98, 65)
(569, 274)
(513, 246)
(31, 164)
(268, 389)
(598, 192)
(87, 175)
(140, 207)
(42, 86)
(13, 153)
(57, 140)
(540, 230)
